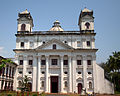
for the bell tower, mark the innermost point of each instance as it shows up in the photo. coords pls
(25, 22)
(86, 20)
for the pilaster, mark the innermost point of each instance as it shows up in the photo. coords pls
(84, 71)
(74, 64)
(34, 74)
(24, 65)
(94, 73)
(61, 67)
(38, 73)
(70, 79)
(46, 75)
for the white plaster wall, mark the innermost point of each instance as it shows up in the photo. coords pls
(51, 46)
(109, 87)
(25, 21)
(27, 28)
(87, 19)
(71, 41)
(104, 86)
(100, 79)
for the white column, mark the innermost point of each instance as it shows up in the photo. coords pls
(24, 65)
(84, 72)
(16, 72)
(74, 64)
(39, 74)
(46, 76)
(15, 78)
(61, 67)
(70, 79)
(34, 74)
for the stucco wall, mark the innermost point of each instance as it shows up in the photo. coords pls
(104, 86)
(109, 87)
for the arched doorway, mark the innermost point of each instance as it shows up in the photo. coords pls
(29, 86)
(79, 88)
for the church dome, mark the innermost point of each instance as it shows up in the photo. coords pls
(56, 26)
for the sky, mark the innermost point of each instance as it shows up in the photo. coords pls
(45, 12)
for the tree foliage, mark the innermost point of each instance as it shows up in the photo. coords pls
(24, 84)
(4, 62)
(112, 69)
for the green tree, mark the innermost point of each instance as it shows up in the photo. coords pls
(24, 84)
(4, 62)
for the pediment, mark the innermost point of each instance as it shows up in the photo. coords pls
(49, 45)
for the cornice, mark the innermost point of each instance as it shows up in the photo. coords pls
(55, 50)
(83, 32)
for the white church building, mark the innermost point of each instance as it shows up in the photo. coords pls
(58, 61)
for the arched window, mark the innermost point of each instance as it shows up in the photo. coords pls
(87, 24)
(19, 83)
(42, 85)
(66, 84)
(23, 27)
(90, 85)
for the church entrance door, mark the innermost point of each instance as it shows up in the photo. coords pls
(79, 88)
(54, 84)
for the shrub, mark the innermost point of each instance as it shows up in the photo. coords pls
(34, 95)
(42, 94)
(9, 95)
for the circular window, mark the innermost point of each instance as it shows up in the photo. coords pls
(65, 42)
(30, 72)
(43, 72)
(89, 73)
(20, 72)
(79, 72)
(65, 72)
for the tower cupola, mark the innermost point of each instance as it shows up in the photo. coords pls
(86, 20)
(25, 21)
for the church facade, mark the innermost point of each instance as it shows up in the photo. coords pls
(58, 61)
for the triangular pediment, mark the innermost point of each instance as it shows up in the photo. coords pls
(59, 45)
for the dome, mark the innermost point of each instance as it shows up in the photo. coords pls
(86, 10)
(25, 12)
(56, 26)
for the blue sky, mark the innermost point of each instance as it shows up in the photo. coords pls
(45, 12)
